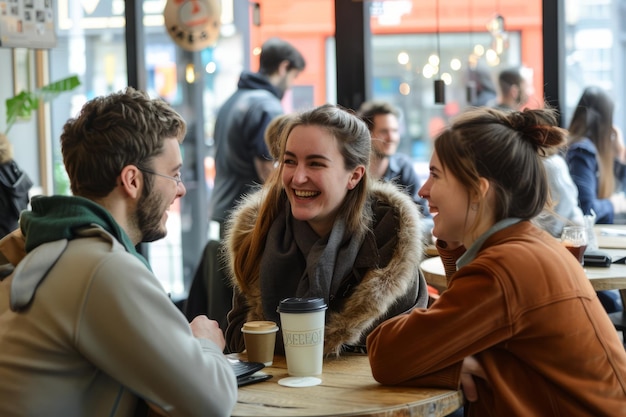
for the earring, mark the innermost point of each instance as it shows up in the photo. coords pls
(474, 206)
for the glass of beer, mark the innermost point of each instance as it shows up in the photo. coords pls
(574, 238)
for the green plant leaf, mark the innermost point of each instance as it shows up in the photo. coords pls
(52, 90)
(23, 104)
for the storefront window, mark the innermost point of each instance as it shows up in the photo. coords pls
(406, 66)
(594, 54)
(414, 43)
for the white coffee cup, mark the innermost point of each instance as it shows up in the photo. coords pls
(302, 323)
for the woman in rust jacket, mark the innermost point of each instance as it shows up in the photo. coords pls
(520, 328)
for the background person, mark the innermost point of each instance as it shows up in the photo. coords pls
(593, 151)
(320, 228)
(210, 293)
(516, 87)
(386, 163)
(87, 329)
(482, 89)
(14, 188)
(519, 328)
(593, 154)
(382, 120)
(564, 209)
(242, 160)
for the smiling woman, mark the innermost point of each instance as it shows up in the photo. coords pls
(321, 228)
(315, 179)
(514, 293)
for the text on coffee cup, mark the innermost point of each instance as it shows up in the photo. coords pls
(311, 338)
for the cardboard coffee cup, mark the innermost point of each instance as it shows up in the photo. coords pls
(302, 322)
(260, 340)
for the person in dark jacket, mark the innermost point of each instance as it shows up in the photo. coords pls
(14, 187)
(516, 88)
(382, 120)
(594, 150)
(242, 160)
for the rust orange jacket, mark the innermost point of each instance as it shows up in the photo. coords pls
(524, 308)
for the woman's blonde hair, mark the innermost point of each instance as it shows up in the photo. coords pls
(275, 134)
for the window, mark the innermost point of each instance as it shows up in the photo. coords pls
(594, 56)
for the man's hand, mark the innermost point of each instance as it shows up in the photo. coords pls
(204, 328)
(469, 370)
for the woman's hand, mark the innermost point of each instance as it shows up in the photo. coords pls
(470, 369)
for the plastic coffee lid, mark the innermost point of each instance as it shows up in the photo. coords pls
(299, 381)
(301, 305)
(259, 327)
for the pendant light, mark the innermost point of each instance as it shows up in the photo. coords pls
(496, 28)
(440, 85)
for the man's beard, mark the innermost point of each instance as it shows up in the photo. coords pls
(282, 87)
(380, 154)
(148, 216)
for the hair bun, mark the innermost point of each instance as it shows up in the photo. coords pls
(538, 127)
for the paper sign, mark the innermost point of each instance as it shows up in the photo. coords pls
(193, 24)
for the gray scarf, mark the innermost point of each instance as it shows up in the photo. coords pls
(298, 263)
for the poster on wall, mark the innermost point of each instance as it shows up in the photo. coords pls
(27, 24)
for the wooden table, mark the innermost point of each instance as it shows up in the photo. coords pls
(434, 273)
(612, 278)
(347, 389)
(431, 250)
(610, 236)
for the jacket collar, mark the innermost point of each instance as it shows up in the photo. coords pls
(473, 250)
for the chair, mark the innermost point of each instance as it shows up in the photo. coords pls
(210, 293)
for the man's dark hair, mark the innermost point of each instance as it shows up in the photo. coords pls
(274, 51)
(508, 78)
(371, 109)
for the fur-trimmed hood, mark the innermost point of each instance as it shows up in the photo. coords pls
(382, 291)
